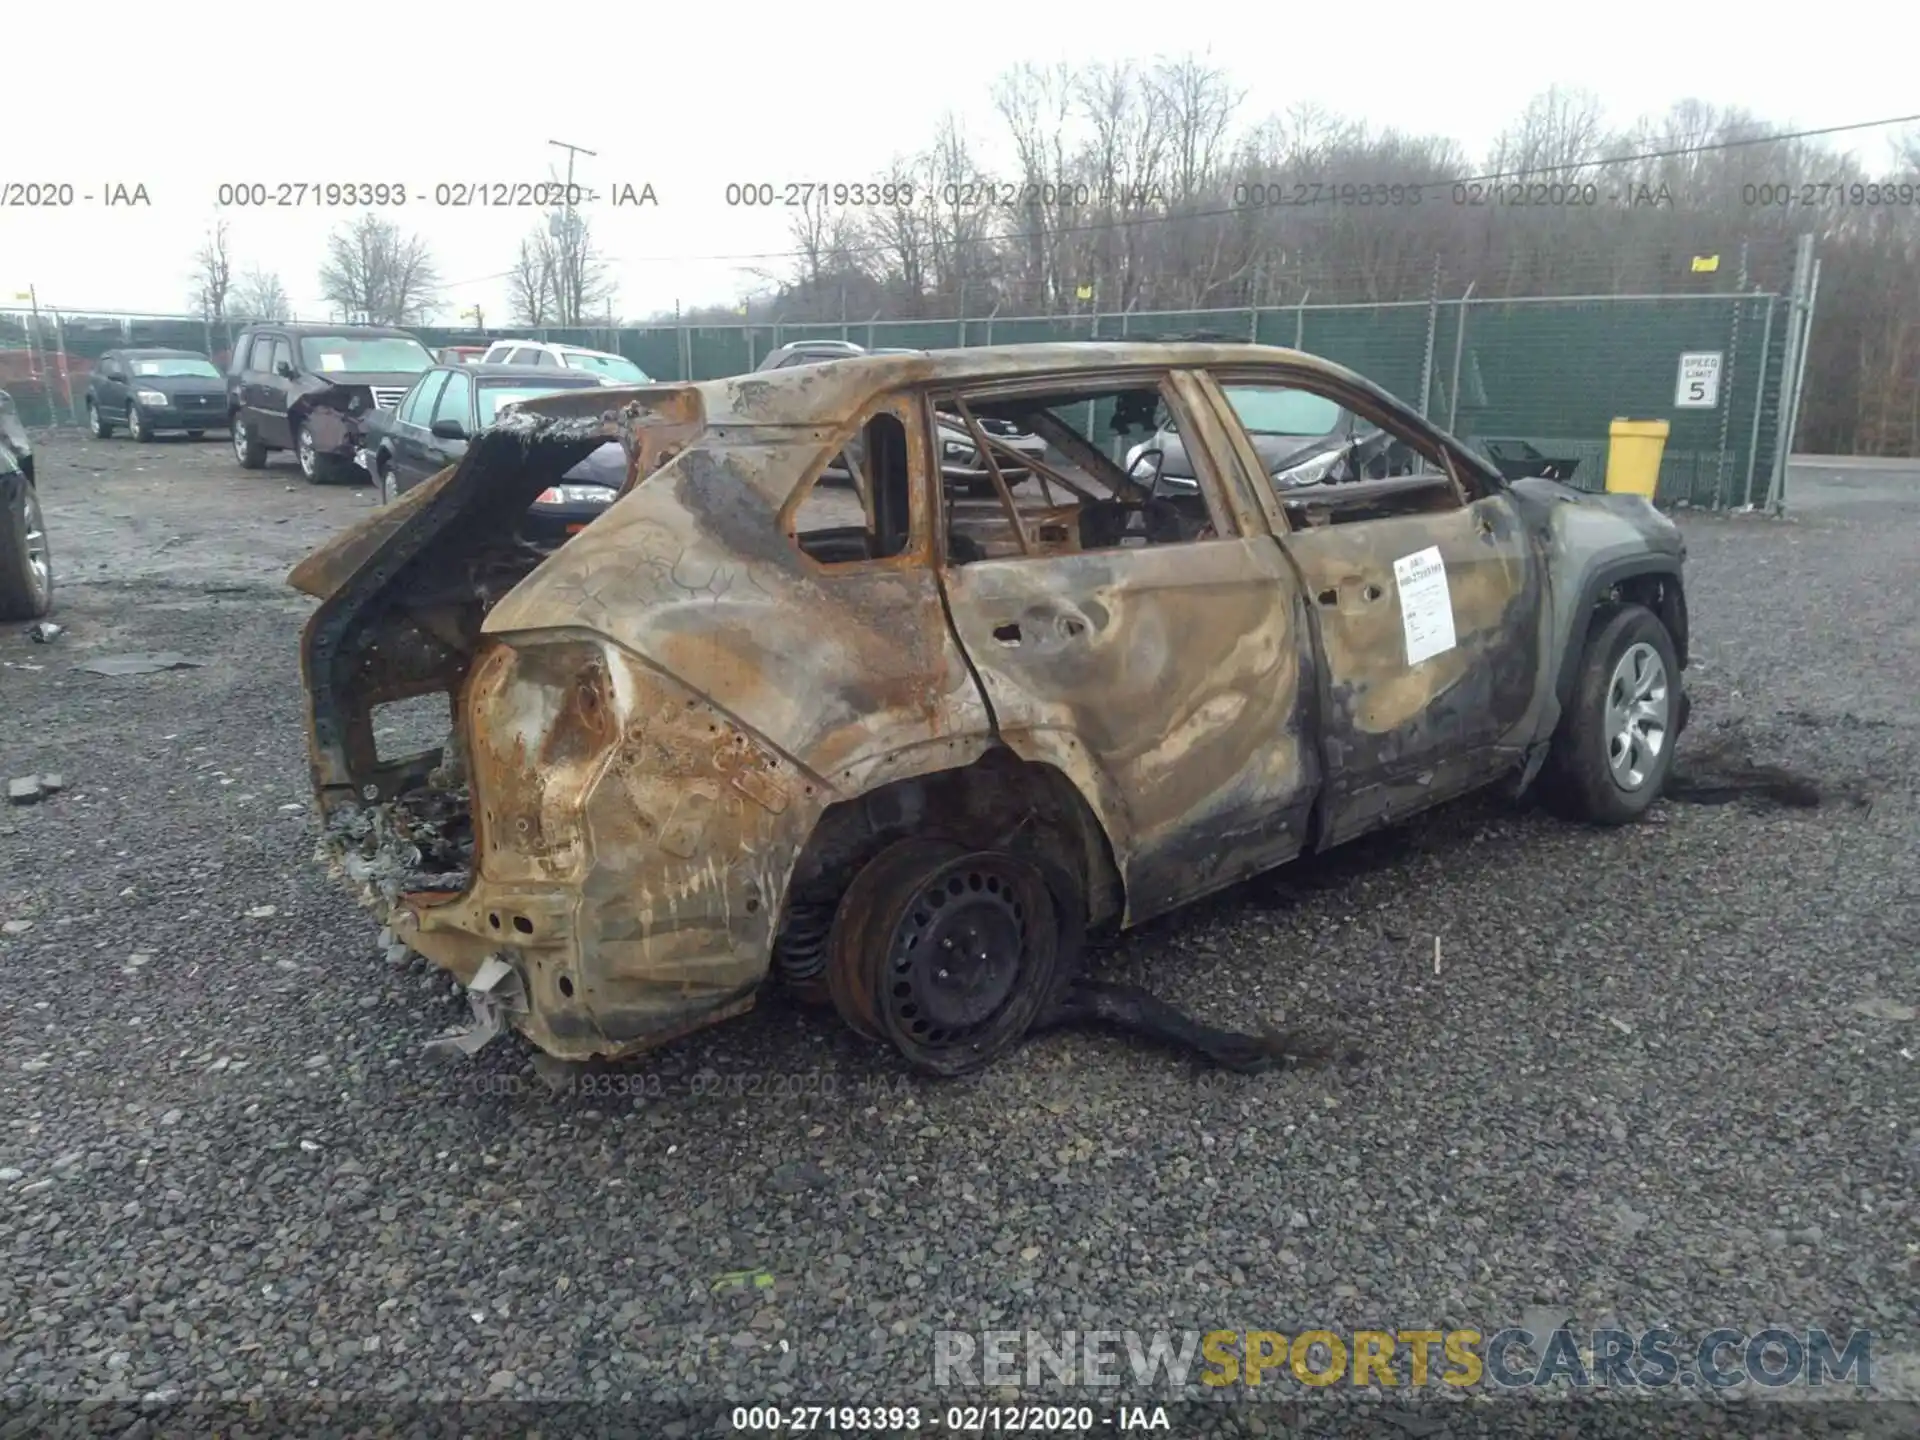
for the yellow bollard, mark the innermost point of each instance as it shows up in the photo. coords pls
(1633, 456)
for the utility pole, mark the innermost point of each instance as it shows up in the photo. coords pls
(572, 150)
(568, 258)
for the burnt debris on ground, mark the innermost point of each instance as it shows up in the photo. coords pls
(1718, 767)
(1137, 1012)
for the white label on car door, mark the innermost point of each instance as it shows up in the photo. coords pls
(1426, 605)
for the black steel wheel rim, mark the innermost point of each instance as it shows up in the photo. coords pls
(959, 953)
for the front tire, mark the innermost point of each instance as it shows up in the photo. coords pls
(97, 427)
(26, 563)
(1614, 750)
(247, 447)
(313, 465)
(137, 429)
(383, 477)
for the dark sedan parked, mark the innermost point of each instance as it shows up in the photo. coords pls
(148, 391)
(437, 419)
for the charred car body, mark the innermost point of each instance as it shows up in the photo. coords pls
(309, 388)
(906, 765)
(961, 463)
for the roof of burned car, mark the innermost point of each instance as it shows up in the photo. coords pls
(836, 390)
(160, 352)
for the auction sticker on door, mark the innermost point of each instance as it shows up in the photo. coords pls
(1426, 605)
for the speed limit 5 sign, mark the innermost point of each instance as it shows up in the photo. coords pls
(1698, 387)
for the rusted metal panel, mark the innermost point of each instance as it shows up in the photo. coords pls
(632, 845)
(842, 668)
(1167, 684)
(656, 716)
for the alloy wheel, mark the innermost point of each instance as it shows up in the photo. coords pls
(1638, 715)
(39, 557)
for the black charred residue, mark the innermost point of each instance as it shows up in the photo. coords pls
(1447, 744)
(1237, 837)
(502, 474)
(732, 511)
(1133, 1011)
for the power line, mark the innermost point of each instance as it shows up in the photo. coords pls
(1130, 222)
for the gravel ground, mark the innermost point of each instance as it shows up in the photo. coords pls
(1663, 1075)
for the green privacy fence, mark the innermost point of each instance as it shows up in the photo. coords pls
(1549, 373)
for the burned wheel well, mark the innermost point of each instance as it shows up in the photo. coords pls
(1631, 582)
(1660, 592)
(999, 801)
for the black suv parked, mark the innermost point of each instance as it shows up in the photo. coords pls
(307, 388)
(153, 390)
(26, 566)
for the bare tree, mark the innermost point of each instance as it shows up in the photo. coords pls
(1037, 105)
(959, 226)
(559, 276)
(1199, 104)
(212, 274)
(900, 236)
(259, 295)
(1145, 181)
(583, 284)
(530, 281)
(372, 267)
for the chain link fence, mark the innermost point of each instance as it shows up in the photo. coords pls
(1539, 377)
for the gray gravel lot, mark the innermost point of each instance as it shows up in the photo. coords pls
(1667, 1074)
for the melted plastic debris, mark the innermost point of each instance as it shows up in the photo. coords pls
(421, 841)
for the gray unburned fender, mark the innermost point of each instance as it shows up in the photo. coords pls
(1592, 544)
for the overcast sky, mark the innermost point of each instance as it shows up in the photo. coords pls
(690, 98)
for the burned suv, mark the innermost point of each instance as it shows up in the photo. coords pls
(308, 388)
(904, 755)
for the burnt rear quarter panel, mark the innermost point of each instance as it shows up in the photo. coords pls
(667, 786)
(850, 671)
